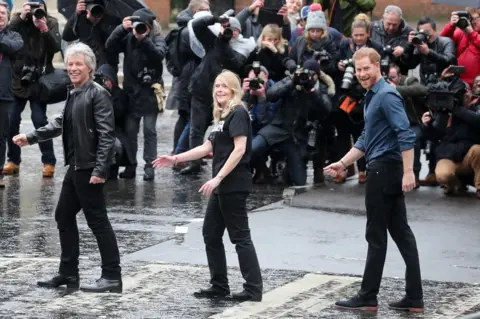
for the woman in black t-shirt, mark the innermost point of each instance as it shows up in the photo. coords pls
(231, 143)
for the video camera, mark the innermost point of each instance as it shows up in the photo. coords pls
(36, 10)
(96, 10)
(442, 97)
(464, 19)
(254, 83)
(304, 79)
(349, 75)
(420, 37)
(138, 25)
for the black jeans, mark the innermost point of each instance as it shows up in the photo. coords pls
(200, 119)
(230, 211)
(4, 131)
(386, 210)
(77, 193)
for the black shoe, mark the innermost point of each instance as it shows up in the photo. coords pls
(104, 285)
(211, 293)
(72, 282)
(149, 174)
(129, 172)
(113, 173)
(407, 304)
(358, 303)
(192, 168)
(245, 296)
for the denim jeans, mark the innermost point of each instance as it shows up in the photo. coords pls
(183, 141)
(39, 119)
(132, 127)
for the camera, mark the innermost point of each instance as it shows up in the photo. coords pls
(349, 75)
(420, 37)
(36, 11)
(388, 50)
(227, 34)
(96, 10)
(441, 96)
(464, 19)
(321, 56)
(146, 76)
(102, 80)
(28, 75)
(304, 79)
(138, 25)
(254, 84)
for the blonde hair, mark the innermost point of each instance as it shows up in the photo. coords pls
(474, 13)
(274, 31)
(309, 40)
(362, 21)
(234, 85)
(372, 54)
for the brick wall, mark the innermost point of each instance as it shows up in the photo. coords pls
(161, 8)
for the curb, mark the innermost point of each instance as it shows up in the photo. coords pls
(290, 192)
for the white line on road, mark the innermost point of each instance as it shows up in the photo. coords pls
(181, 230)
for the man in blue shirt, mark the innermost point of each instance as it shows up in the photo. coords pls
(387, 142)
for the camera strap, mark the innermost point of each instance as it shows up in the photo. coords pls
(44, 68)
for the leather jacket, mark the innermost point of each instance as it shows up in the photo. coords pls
(93, 127)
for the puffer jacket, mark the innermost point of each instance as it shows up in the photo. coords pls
(93, 129)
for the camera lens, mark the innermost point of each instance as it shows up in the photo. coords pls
(39, 14)
(140, 27)
(96, 10)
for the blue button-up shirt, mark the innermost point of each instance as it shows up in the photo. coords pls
(387, 130)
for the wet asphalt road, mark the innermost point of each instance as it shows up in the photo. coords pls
(158, 226)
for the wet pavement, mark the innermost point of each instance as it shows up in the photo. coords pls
(306, 255)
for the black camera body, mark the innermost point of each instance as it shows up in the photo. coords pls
(349, 75)
(138, 25)
(442, 98)
(464, 19)
(420, 37)
(36, 10)
(321, 56)
(254, 83)
(227, 34)
(96, 10)
(29, 75)
(146, 76)
(304, 79)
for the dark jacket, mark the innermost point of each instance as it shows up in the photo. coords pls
(441, 55)
(37, 46)
(10, 44)
(183, 17)
(301, 53)
(414, 95)
(400, 39)
(218, 56)
(273, 62)
(296, 109)
(78, 27)
(93, 129)
(148, 53)
(261, 111)
(250, 28)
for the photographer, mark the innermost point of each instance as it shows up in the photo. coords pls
(350, 125)
(194, 6)
(463, 30)
(454, 124)
(432, 52)
(304, 102)
(92, 26)
(392, 33)
(10, 44)
(219, 43)
(139, 38)
(41, 40)
(316, 42)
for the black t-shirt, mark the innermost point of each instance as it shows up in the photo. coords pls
(68, 143)
(237, 123)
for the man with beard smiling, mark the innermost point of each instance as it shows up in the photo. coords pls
(387, 142)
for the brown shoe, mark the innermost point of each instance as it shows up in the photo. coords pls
(48, 170)
(362, 178)
(339, 179)
(430, 180)
(10, 169)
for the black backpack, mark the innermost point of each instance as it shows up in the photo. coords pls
(174, 62)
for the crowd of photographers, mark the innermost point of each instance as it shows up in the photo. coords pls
(298, 82)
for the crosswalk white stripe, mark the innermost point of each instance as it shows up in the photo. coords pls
(278, 297)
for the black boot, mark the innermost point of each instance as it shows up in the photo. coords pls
(149, 174)
(211, 292)
(245, 296)
(72, 282)
(192, 168)
(113, 173)
(104, 285)
(129, 172)
(407, 304)
(358, 303)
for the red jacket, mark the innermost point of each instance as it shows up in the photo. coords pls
(468, 51)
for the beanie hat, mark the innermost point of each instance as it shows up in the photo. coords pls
(235, 24)
(312, 65)
(316, 18)
(146, 16)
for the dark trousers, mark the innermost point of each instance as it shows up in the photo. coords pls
(39, 119)
(77, 193)
(417, 164)
(4, 127)
(178, 132)
(386, 210)
(132, 127)
(230, 211)
(200, 120)
(346, 129)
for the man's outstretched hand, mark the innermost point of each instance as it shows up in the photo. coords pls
(20, 140)
(335, 169)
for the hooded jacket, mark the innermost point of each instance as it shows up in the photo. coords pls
(38, 48)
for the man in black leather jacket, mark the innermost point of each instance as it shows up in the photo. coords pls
(87, 129)
(434, 54)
